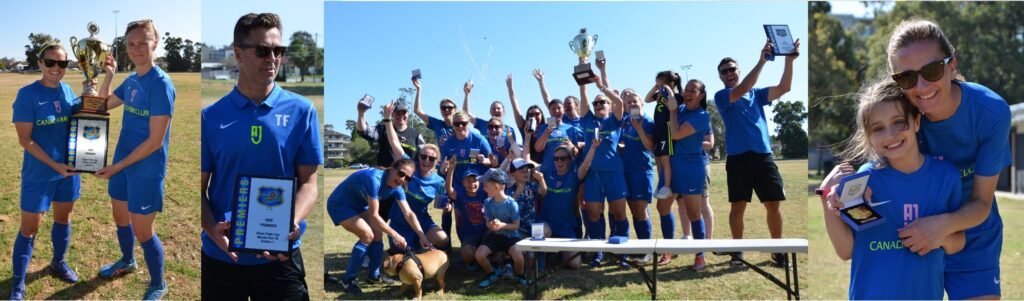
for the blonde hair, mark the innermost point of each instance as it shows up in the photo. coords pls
(430, 146)
(461, 115)
(145, 24)
(871, 94)
(919, 30)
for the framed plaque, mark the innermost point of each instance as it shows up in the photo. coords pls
(262, 214)
(782, 39)
(87, 143)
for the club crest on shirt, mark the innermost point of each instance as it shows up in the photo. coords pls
(271, 196)
(91, 133)
(132, 97)
(462, 152)
(56, 105)
(256, 134)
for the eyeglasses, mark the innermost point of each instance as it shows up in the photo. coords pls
(531, 115)
(561, 158)
(427, 158)
(494, 127)
(726, 70)
(931, 72)
(447, 108)
(263, 51)
(62, 64)
(460, 123)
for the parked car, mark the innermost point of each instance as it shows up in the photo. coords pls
(357, 166)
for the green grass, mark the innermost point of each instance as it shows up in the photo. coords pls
(94, 241)
(312, 241)
(676, 281)
(830, 277)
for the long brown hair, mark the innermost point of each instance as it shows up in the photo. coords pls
(919, 30)
(871, 94)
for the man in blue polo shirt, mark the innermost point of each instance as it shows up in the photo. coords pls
(749, 165)
(257, 129)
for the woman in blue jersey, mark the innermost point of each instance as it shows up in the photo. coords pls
(527, 125)
(422, 189)
(442, 129)
(354, 205)
(604, 180)
(688, 126)
(637, 162)
(965, 124)
(559, 208)
(136, 175)
(904, 185)
(41, 112)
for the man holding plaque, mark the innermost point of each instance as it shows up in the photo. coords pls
(259, 130)
(750, 166)
(136, 175)
(41, 113)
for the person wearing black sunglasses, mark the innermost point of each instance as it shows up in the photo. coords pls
(41, 111)
(534, 116)
(966, 124)
(442, 127)
(136, 175)
(749, 165)
(257, 129)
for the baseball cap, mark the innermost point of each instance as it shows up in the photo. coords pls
(520, 163)
(496, 175)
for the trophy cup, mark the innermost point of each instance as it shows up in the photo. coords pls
(583, 45)
(88, 129)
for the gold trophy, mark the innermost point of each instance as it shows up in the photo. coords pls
(88, 129)
(582, 45)
(91, 54)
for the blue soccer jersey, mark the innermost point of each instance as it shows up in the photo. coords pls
(975, 140)
(882, 268)
(273, 138)
(609, 128)
(151, 94)
(564, 132)
(462, 150)
(48, 109)
(481, 125)
(420, 193)
(527, 201)
(636, 157)
(558, 209)
(506, 212)
(358, 189)
(746, 128)
(692, 147)
(441, 130)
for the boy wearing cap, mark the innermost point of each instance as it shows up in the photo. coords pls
(469, 211)
(502, 214)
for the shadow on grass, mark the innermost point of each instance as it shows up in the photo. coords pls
(76, 291)
(30, 277)
(581, 281)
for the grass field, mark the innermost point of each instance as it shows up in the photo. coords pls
(676, 281)
(93, 237)
(829, 277)
(312, 241)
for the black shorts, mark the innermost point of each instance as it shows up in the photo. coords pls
(278, 280)
(385, 208)
(498, 243)
(662, 143)
(755, 172)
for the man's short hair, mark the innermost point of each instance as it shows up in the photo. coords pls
(250, 21)
(726, 60)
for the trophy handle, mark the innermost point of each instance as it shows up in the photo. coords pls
(74, 45)
(571, 47)
(595, 39)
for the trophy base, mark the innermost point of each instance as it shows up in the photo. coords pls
(94, 105)
(583, 74)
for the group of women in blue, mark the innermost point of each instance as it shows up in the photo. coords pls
(42, 111)
(935, 144)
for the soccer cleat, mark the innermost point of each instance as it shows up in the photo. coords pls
(155, 292)
(489, 280)
(737, 259)
(698, 263)
(351, 286)
(64, 272)
(663, 193)
(118, 268)
(522, 280)
(506, 272)
(596, 262)
(472, 267)
(18, 293)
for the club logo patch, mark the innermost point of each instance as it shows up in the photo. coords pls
(271, 196)
(91, 133)
(256, 134)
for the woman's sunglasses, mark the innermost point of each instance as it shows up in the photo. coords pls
(62, 64)
(460, 123)
(931, 72)
(263, 51)
(427, 158)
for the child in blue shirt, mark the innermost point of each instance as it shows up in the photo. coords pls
(502, 214)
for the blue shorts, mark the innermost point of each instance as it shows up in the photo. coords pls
(639, 184)
(564, 232)
(688, 176)
(36, 196)
(601, 185)
(144, 195)
(340, 212)
(470, 234)
(969, 284)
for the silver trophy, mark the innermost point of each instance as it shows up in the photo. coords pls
(91, 54)
(583, 46)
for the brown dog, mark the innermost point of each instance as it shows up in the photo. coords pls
(434, 265)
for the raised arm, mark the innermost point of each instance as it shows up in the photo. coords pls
(787, 75)
(520, 121)
(416, 103)
(616, 101)
(450, 177)
(751, 78)
(392, 135)
(539, 75)
(679, 131)
(584, 106)
(638, 124)
(467, 88)
(585, 166)
(542, 186)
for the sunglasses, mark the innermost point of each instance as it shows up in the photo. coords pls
(494, 127)
(599, 103)
(561, 158)
(62, 64)
(727, 70)
(263, 51)
(931, 72)
(427, 158)
(531, 115)
(460, 123)
(402, 175)
(447, 108)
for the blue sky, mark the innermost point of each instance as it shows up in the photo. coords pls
(219, 17)
(372, 47)
(65, 18)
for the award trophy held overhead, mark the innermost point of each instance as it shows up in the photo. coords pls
(583, 46)
(88, 129)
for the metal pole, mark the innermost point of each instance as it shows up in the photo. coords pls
(116, 11)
